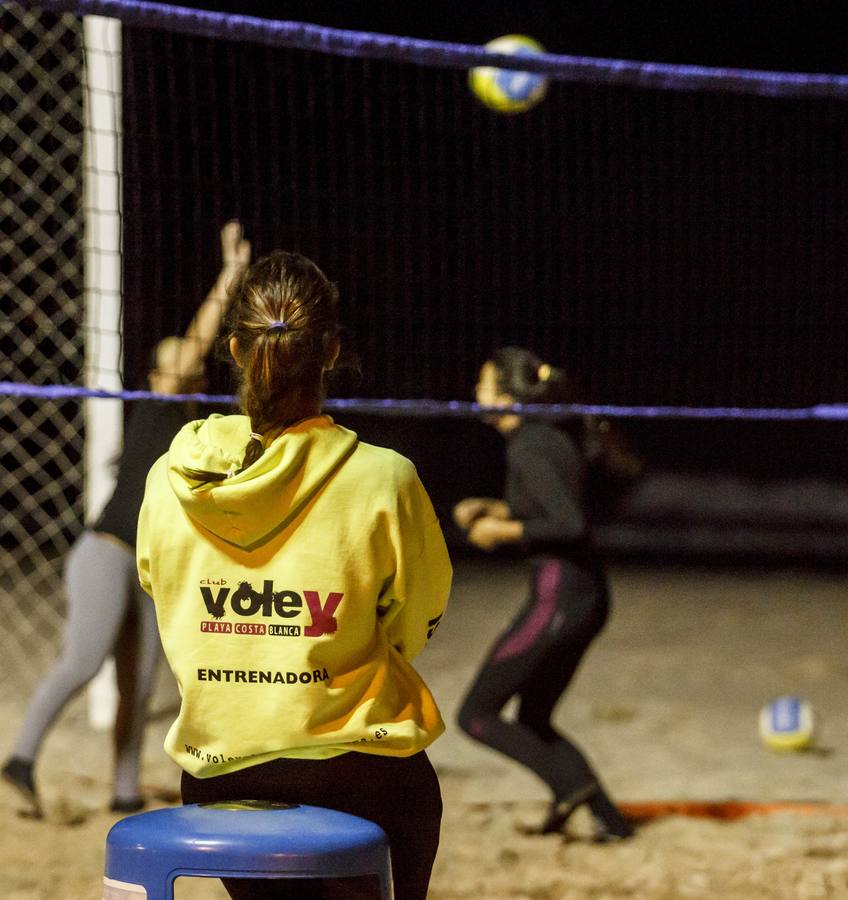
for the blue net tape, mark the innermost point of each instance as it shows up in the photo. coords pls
(424, 408)
(344, 42)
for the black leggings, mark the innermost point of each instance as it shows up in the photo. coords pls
(535, 659)
(401, 795)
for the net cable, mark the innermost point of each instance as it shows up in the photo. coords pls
(423, 52)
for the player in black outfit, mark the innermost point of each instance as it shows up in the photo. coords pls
(108, 614)
(544, 512)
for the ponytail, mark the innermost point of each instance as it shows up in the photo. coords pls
(528, 379)
(522, 375)
(284, 318)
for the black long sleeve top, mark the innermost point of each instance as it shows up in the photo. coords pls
(546, 489)
(150, 428)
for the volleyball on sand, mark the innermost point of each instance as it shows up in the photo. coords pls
(787, 723)
(508, 90)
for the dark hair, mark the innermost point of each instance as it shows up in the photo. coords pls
(528, 379)
(524, 376)
(284, 316)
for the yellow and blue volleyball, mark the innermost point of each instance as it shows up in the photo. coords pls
(508, 90)
(787, 723)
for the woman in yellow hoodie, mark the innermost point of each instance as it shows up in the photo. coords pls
(296, 572)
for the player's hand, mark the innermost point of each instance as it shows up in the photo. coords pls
(235, 250)
(467, 510)
(487, 532)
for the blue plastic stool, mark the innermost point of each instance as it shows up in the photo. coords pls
(145, 853)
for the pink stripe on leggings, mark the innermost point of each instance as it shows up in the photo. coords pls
(547, 582)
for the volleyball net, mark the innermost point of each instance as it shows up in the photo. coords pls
(672, 235)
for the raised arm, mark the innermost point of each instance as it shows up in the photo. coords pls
(235, 255)
(185, 362)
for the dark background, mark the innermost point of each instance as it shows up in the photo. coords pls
(796, 36)
(666, 248)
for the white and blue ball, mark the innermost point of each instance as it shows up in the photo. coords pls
(787, 723)
(508, 90)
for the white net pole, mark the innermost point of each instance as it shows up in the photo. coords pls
(102, 327)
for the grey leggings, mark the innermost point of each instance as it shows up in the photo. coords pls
(107, 614)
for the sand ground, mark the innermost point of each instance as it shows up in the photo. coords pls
(665, 705)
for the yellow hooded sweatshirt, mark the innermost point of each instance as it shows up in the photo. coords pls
(292, 596)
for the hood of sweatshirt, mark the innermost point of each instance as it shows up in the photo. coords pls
(248, 508)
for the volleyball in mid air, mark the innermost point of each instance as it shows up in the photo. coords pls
(508, 90)
(787, 723)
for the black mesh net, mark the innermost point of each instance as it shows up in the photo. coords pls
(669, 248)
